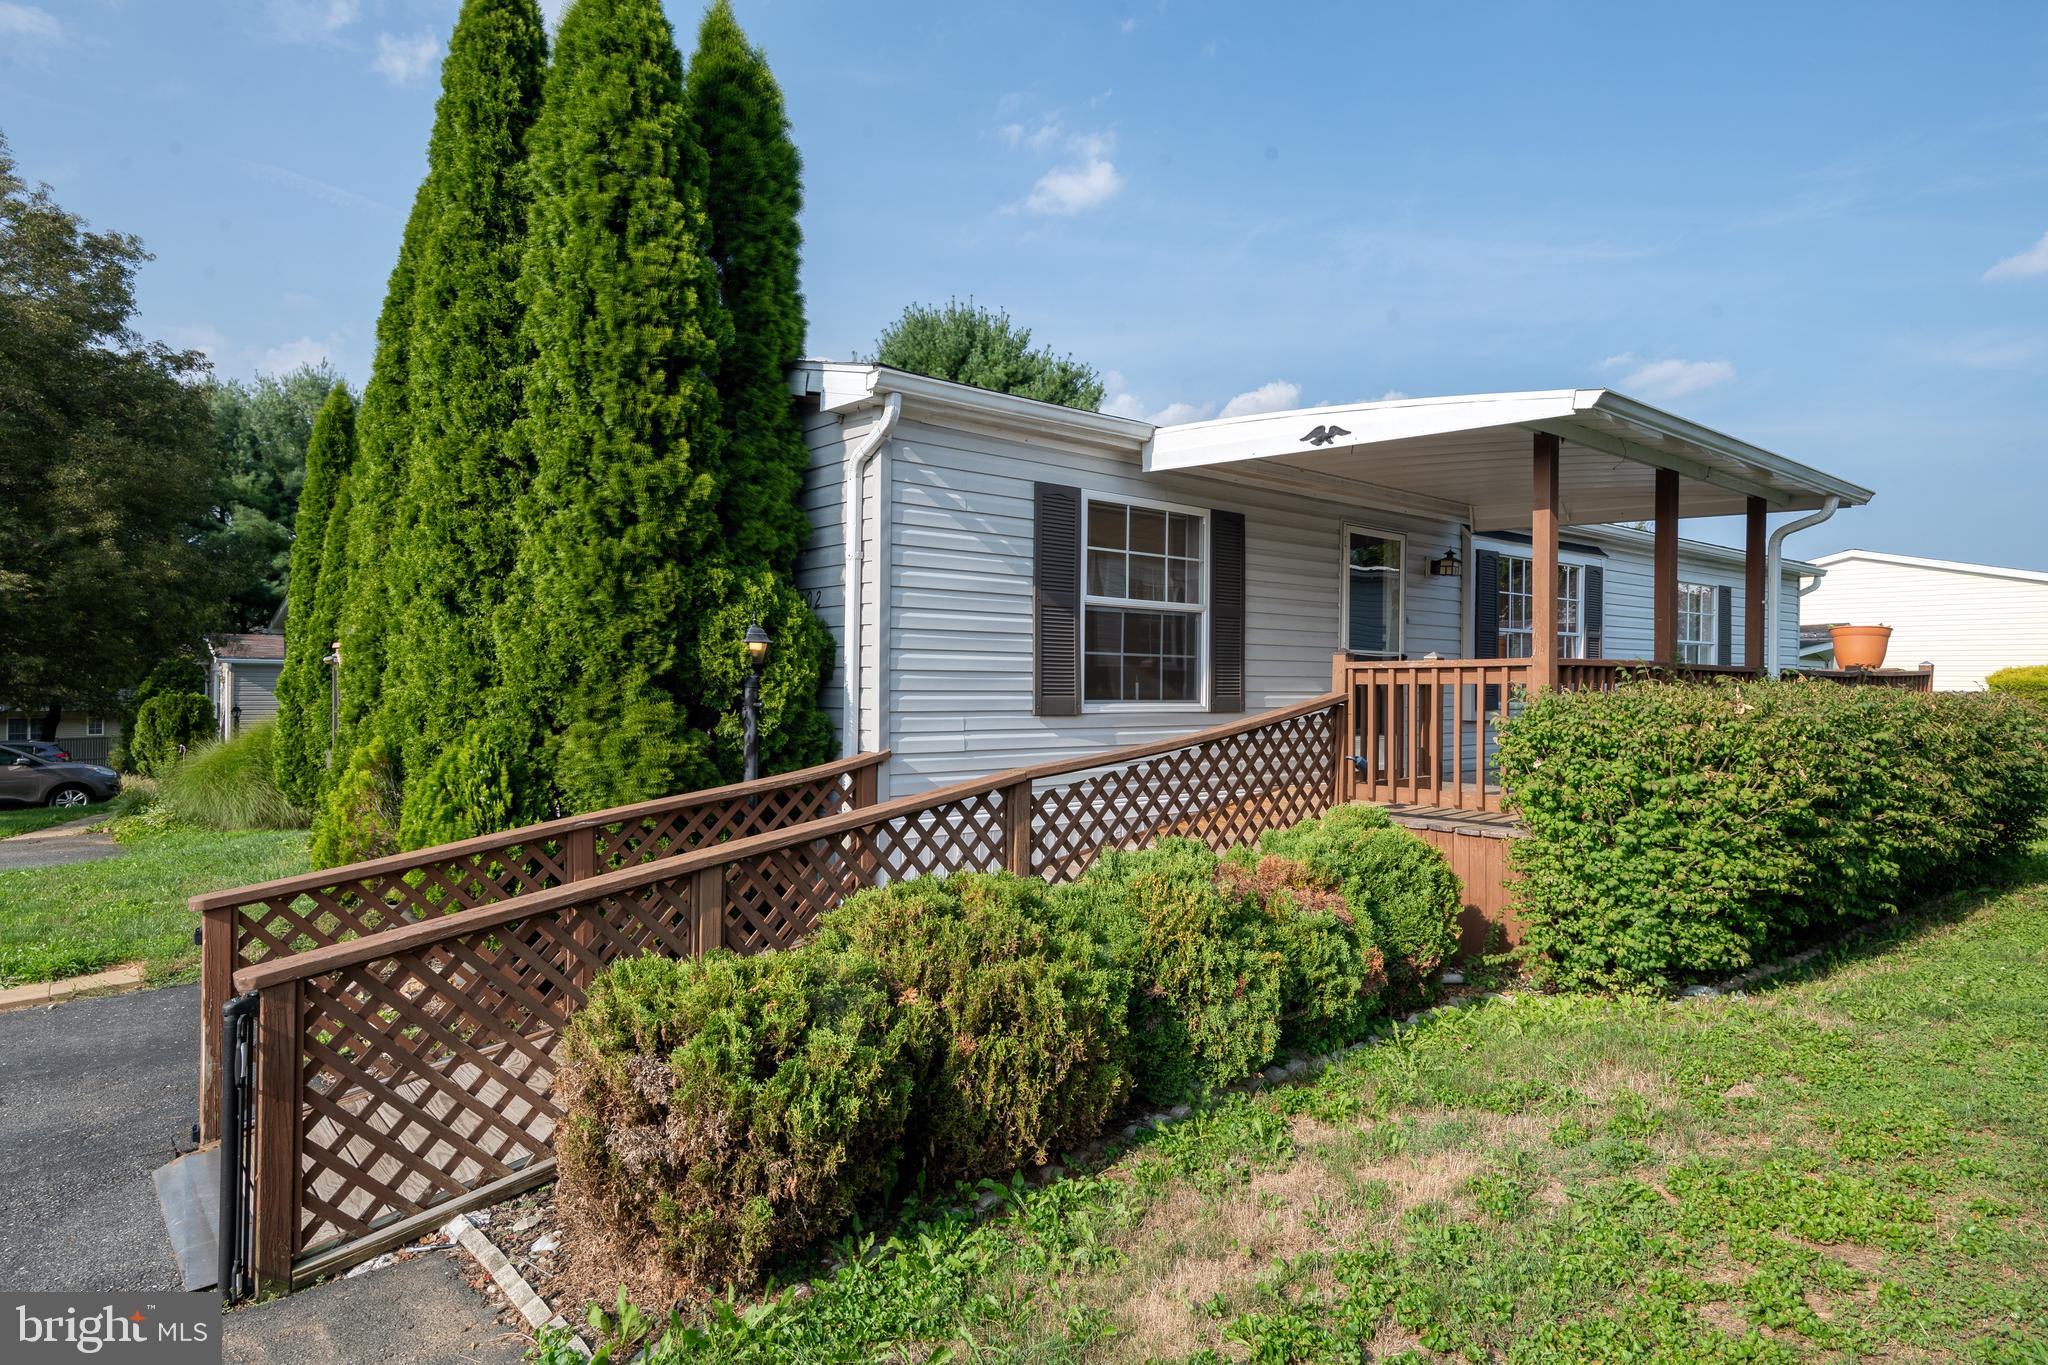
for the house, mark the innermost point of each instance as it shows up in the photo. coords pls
(87, 736)
(1968, 620)
(1010, 581)
(241, 678)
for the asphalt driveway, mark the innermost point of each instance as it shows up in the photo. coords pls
(53, 847)
(95, 1094)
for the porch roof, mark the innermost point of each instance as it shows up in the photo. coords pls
(1470, 455)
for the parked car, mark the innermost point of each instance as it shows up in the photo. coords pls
(40, 781)
(43, 749)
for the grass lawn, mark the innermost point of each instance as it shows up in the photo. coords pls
(65, 921)
(26, 819)
(1849, 1165)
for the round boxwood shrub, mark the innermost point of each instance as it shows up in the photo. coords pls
(1333, 978)
(722, 1110)
(1392, 882)
(1207, 962)
(2029, 683)
(1031, 1049)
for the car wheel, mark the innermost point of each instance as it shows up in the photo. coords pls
(70, 796)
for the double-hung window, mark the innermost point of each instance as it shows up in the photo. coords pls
(1372, 594)
(1517, 607)
(1699, 627)
(1143, 603)
(17, 728)
(95, 726)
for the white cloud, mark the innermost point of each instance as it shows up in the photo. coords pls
(1068, 190)
(1041, 136)
(1390, 395)
(406, 61)
(202, 337)
(304, 21)
(1128, 26)
(1277, 396)
(29, 24)
(289, 355)
(1669, 378)
(2025, 266)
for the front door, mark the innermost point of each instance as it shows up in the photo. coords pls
(1372, 593)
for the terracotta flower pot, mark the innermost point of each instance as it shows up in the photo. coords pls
(1860, 646)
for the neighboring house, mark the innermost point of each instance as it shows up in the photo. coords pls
(1027, 582)
(1968, 620)
(88, 738)
(241, 679)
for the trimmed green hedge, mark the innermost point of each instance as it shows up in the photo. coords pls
(2029, 683)
(167, 723)
(1679, 830)
(722, 1111)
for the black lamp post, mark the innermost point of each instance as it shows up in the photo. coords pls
(757, 641)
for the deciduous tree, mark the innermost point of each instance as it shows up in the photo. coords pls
(974, 345)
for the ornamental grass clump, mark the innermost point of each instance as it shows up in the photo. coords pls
(723, 1110)
(1678, 831)
(1031, 1049)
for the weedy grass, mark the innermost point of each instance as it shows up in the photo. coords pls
(1847, 1164)
(27, 819)
(58, 922)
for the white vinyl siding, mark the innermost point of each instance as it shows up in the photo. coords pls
(1968, 624)
(959, 536)
(821, 568)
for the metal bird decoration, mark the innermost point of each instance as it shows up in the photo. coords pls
(1322, 435)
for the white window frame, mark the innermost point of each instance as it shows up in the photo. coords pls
(22, 723)
(1707, 617)
(1344, 591)
(1565, 560)
(95, 726)
(1199, 610)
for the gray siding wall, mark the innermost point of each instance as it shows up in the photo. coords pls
(821, 567)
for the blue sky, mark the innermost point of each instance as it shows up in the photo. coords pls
(1823, 228)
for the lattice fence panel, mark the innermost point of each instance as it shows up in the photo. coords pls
(677, 832)
(1222, 792)
(351, 908)
(430, 1072)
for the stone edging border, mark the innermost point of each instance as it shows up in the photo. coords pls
(52, 992)
(532, 1307)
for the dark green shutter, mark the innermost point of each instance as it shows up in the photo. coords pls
(1226, 611)
(1056, 602)
(1593, 579)
(1726, 616)
(1485, 604)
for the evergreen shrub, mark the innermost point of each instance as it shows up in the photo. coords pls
(1683, 830)
(724, 1109)
(358, 817)
(166, 725)
(1031, 1049)
(1399, 889)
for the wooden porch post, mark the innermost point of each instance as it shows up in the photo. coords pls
(1753, 589)
(1543, 562)
(1664, 586)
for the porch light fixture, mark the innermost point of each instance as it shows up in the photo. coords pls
(1448, 566)
(756, 641)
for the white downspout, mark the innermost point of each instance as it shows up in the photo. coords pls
(853, 497)
(1774, 588)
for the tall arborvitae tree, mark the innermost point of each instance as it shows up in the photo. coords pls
(454, 547)
(624, 329)
(753, 193)
(298, 751)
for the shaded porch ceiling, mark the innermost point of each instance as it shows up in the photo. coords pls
(1469, 457)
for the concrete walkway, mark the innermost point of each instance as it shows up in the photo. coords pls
(418, 1312)
(56, 846)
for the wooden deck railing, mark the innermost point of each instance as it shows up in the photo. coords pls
(405, 1074)
(1420, 732)
(294, 915)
